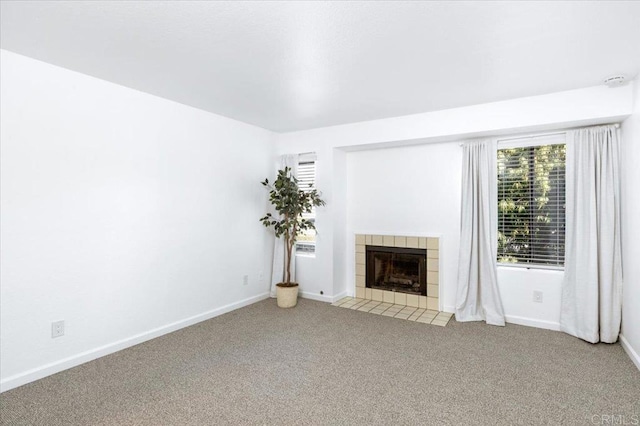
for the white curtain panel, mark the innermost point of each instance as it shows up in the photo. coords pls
(592, 289)
(278, 268)
(478, 297)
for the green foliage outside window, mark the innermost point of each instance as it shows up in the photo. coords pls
(531, 204)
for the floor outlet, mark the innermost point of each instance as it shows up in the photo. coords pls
(57, 329)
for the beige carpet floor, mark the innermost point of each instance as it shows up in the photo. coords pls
(323, 365)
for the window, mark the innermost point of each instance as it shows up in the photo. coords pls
(531, 202)
(306, 244)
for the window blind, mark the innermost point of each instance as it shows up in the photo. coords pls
(306, 243)
(531, 201)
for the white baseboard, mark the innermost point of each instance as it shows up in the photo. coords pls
(75, 360)
(339, 296)
(531, 322)
(316, 296)
(630, 351)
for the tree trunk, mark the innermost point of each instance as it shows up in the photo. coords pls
(289, 247)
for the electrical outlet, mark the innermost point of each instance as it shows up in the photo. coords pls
(537, 296)
(57, 329)
(245, 280)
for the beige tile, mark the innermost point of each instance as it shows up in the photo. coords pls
(360, 270)
(402, 317)
(360, 281)
(425, 320)
(446, 314)
(432, 265)
(367, 293)
(412, 242)
(432, 290)
(367, 240)
(360, 292)
(439, 323)
(388, 296)
(342, 301)
(432, 303)
(386, 305)
(376, 311)
(429, 313)
(417, 314)
(400, 298)
(376, 295)
(388, 313)
(376, 240)
(433, 277)
(388, 240)
(359, 304)
(360, 259)
(433, 254)
(422, 304)
(359, 239)
(441, 317)
(400, 241)
(413, 300)
(433, 312)
(432, 243)
(408, 310)
(422, 243)
(360, 248)
(368, 306)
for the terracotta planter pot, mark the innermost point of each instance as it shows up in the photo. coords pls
(287, 294)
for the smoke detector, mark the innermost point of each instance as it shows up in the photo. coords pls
(615, 81)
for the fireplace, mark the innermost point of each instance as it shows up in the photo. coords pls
(400, 286)
(397, 269)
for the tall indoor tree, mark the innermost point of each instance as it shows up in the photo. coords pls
(290, 202)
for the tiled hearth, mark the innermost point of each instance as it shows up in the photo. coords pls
(425, 316)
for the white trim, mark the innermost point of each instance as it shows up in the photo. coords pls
(316, 296)
(512, 319)
(635, 358)
(339, 296)
(532, 322)
(75, 360)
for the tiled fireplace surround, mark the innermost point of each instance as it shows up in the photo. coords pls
(431, 244)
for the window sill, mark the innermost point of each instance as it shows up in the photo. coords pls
(307, 255)
(530, 267)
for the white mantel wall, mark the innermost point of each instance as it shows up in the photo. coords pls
(429, 138)
(123, 214)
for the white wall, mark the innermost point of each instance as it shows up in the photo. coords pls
(631, 231)
(416, 191)
(419, 137)
(123, 214)
(408, 191)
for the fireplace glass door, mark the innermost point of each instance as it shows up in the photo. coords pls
(396, 269)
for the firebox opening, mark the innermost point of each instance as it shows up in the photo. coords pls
(396, 269)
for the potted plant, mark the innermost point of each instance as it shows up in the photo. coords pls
(290, 202)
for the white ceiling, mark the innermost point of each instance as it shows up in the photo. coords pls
(297, 65)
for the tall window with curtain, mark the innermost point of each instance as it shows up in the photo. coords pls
(531, 201)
